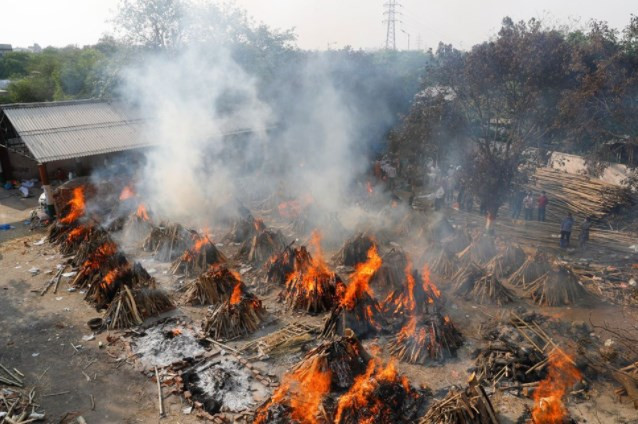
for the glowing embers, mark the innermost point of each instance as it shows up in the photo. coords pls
(132, 307)
(104, 291)
(550, 394)
(168, 242)
(238, 316)
(212, 287)
(262, 245)
(311, 286)
(357, 308)
(198, 258)
(418, 295)
(380, 395)
(286, 262)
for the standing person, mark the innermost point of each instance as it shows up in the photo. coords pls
(542, 205)
(439, 198)
(517, 203)
(566, 230)
(584, 232)
(528, 205)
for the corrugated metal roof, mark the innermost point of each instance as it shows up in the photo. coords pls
(62, 130)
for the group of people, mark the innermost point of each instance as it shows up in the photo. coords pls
(566, 231)
(525, 201)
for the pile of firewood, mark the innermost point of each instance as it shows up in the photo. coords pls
(238, 316)
(365, 318)
(532, 269)
(483, 288)
(355, 250)
(380, 396)
(579, 195)
(18, 405)
(507, 261)
(457, 242)
(558, 287)
(391, 275)
(262, 246)
(167, 242)
(102, 293)
(131, 307)
(442, 262)
(244, 228)
(503, 362)
(480, 251)
(468, 406)
(425, 338)
(286, 262)
(312, 290)
(198, 258)
(212, 287)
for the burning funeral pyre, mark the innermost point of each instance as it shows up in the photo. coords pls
(558, 287)
(212, 287)
(102, 293)
(198, 258)
(311, 287)
(476, 285)
(426, 335)
(238, 316)
(68, 232)
(357, 308)
(262, 245)
(286, 262)
(355, 250)
(391, 275)
(167, 242)
(339, 382)
(550, 394)
(131, 307)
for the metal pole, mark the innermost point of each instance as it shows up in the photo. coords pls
(48, 191)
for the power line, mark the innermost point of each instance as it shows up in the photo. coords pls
(391, 14)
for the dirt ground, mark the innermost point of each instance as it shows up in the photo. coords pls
(43, 338)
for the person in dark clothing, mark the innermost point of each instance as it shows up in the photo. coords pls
(584, 232)
(528, 205)
(566, 230)
(542, 205)
(517, 203)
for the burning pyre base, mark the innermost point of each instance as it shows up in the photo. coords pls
(311, 293)
(232, 320)
(430, 337)
(286, 262)
(102, 292)
(365, 319)
(198, 259)
(211, 288)
(131, 307)
(560, 287)
(355, 250)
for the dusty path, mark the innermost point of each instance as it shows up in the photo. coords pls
(37, 338)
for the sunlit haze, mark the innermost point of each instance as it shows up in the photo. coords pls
(319, 24)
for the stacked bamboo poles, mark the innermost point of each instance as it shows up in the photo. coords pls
(581, 195)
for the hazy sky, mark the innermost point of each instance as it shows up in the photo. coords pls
(319, 23)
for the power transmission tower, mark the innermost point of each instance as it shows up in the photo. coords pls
(391, 14)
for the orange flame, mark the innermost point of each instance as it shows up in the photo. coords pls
(100, 255)
(428, 286)
(548, 397)
(176, 332)
(360, 394)
(294, 208)
(110, 277)
(77, 206)
(369, 187)
(360, 280)
(235, 298)
(75, 233)
(142, 213)
(127, 193)
(311, 276)
(304, 389)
